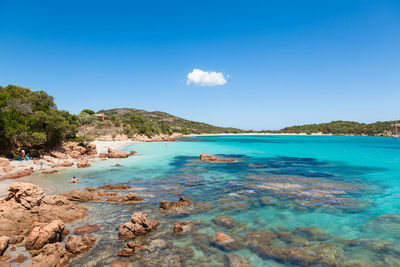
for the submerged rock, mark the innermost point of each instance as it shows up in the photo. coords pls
(78, 244)
(87, 229)
(129, 197)
(175, 205)
(215, 159)
(225, 242)
(112, 187)
(234, 260)
(51, 233)
(224, 221)
(139, 225)
(185, 226)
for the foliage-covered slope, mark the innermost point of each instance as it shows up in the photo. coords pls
(160, 122)
(344, 127)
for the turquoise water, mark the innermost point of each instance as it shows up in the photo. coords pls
(346, 187)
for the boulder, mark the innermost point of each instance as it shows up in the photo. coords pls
(126, 252)
(26, 194)
(87, 229)
(51, 233)
(185, 226)
(215, 159)
(116, 154)
(139, 225)
(15, 174)
(175, 205)
(15, 239)
(65, 163)
(26, 204)
(51, 255)
(57, 154)
(4, 162)
(103, 155)
(84, 163)
(4, 242)
(78, 244)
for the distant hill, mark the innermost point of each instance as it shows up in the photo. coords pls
(155, 122)
(385, 128)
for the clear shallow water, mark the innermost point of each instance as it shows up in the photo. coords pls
(344, 186)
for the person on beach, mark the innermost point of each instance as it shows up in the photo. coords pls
(74, 180)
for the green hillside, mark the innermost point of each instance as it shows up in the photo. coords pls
(155, 122)
(386, 128)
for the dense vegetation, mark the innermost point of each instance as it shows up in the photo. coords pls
(30, 119)
(137, 121)
(344, 127)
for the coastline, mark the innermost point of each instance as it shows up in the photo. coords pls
(284, 134)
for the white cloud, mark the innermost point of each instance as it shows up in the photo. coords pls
(205, 78)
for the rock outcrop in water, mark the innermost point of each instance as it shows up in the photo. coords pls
(215, 159)
(224, 221)
(79, 244)
(175, 205)
(102, 194)
(27, 204)
(139, 225)
(51, 233)
(116, 154)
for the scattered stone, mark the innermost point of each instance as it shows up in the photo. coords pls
(4, 242)
(84, 163)
(51, 233)
(87, 229)
(139, 225)
(78, 244)
(175, 205)
(215, 159)
(116, 154)
(224, 221)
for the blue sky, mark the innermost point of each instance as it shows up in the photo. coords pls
(284, 62)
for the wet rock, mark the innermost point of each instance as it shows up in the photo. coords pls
(119, 264)
(185, 226)
(139, 225)
(126, 252)
(51, 233)
(81, 196)
(16, 239)
(19, 259)
(112, 187)
(224, 221)
(225, 242)
(132, 153)
(234, 260)
(78, 244)
(51, 255)
(171, 257)
(49, 171)
(87, 229)
(135, 246)
(126, 198)
(65, 163)
(215, 159)
(84, 163)
(117, 165)
(103, 155)
(202, 241)
(4, 242)
(179, 204)
(116, 154)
